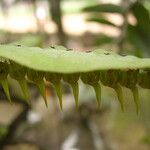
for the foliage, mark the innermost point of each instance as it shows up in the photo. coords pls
(109, 8)
(138, 35)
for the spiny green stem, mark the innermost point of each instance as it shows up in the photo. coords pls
(97, 89)
(75, 90)
(59, 93)
(136, 98)
(119, 92)
(6, 88)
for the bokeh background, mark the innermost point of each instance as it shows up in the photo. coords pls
(122, 26)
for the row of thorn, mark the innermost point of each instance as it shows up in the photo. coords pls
(112, 78)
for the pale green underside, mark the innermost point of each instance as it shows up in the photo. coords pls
(51, 60)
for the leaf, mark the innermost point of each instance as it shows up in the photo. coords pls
(102, 21)
(142, 16)
(105, 8)
(140, 39)
(139, 34)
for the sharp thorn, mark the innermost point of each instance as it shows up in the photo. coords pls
(42, 90)
(119, 92)
(6, 88)
(59, 93)
(136, 98)
(24, 87)
(97, 89)
(75, 91)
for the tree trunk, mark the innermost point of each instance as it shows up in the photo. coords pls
(56, 14)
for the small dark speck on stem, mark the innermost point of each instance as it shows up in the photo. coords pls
(69, 49)
(107, 53)
(88, 51)
(52, 46)
(19, 45)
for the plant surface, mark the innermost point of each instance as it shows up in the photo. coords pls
(56, 64)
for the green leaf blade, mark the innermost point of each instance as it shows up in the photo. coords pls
(105, 8)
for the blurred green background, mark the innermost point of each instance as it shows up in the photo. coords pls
(122, 26)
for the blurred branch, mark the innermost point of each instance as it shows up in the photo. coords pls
(56, 14)
(122, 36)
(14, 126)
